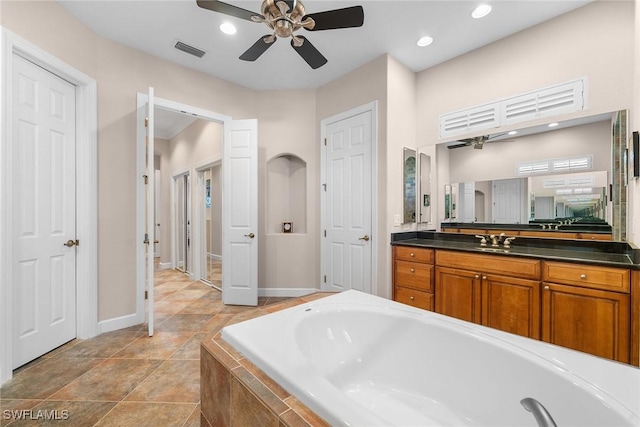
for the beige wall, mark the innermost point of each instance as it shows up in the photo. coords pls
(199, 142)
(286, 125)
(633, 204)
(578, 44)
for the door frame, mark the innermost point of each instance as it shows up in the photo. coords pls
(177, 175)
(199, 245)
(377, 242)
(86, 191)
(165, 104)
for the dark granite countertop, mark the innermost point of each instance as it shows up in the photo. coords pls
(614, 254)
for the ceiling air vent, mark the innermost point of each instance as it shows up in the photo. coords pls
(190, 49)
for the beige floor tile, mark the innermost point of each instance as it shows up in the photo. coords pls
(126, 378)
(174, 381)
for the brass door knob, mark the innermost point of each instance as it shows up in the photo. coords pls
(250, 235)
(366, 238)
(71, 243)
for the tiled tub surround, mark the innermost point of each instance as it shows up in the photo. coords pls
(356, 359)
(235, 393)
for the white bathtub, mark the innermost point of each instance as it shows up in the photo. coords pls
(361, 360)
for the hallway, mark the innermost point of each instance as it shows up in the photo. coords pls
(125, 378)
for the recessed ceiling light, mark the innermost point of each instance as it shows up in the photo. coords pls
(425, 41)
(228, 28)
(481, 11)
(513, 132)
(552, 125)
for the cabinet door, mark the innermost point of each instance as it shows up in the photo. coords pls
(589, 320)
(458, 294)
(511, 305)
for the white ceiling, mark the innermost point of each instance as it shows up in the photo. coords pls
(392, 27)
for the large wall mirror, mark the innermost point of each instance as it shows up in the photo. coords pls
(426, 181)
(409, 174)
(418, 169)
(569, 171)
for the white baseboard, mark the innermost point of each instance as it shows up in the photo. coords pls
(118, 323)
(215, 257)
(286, 292)
(164, 265)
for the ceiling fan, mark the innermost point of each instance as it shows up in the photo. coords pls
(477, 142)
(285, 18)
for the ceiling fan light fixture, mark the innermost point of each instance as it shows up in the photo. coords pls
(481, 11)
(424, 41)
(228, 28)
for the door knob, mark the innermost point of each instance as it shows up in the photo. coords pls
(72, 243)
(366, 238)
(250, 235)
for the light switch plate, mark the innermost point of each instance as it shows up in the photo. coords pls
(397, 220)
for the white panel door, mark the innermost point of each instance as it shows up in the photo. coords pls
(44, 211)
(240, 213)
(467, 201)
(507, 201)
(348, 204)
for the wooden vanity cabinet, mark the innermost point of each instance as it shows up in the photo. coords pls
(413, 276)
(587, 308)
(496, 291)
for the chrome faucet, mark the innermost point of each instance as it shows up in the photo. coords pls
(495, 240)
(507, 242)
(543, 417)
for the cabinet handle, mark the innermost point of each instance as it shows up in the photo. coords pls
(477, 276)
(583, 276)
(412, 254)
(411, 298)
(546, 288)
(413, 270)
(484, 277)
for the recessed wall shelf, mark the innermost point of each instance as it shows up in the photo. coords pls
(286, 198)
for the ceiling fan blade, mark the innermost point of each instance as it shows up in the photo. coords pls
(227, 9)
(348, 17)
(258, 48)
(451, 147)
(309, 53)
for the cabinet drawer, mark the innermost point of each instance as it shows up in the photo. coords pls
(414, 297)
(412, 253)
(506, 265)
(589, 276)
(413, 275)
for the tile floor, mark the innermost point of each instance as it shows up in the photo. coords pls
(125, 378)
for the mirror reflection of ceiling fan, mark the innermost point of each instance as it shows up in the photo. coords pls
(285, 18)
(476, 142)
